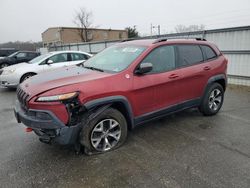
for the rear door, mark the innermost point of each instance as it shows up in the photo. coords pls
(192, 70)
(77, 58)
(31, 56)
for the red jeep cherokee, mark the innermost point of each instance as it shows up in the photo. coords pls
(121, 87)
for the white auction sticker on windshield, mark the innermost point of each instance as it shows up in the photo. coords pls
(130, 49)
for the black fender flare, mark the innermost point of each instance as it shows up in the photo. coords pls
(108, 101)
(213, 79)
(217, 77)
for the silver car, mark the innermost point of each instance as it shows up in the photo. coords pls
(13, 75)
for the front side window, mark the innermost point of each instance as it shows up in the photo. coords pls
(189, 55)
(162, 59)
(115, 58)
(38, 59)
(58, 58)
(21, 55)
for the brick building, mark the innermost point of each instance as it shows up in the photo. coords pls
(65, 35)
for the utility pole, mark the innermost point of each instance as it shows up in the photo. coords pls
(159, 30)
(153, 27)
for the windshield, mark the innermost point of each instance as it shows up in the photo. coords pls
(12, 55)
(115, 58)
(39, 58)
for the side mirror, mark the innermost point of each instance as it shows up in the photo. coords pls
(49, 62)
(144, 68)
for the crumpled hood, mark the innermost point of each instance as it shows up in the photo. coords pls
(60, 77)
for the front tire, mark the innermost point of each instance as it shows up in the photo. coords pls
(103, 133)
(26, 76)
(212, 100)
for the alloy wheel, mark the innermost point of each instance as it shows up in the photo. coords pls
(215, 99)
(105, 135)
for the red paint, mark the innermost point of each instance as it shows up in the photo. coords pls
(145, 93)
(28, 130)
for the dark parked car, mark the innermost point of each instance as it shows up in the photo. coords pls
(4, 52)
(121, 87)
(18, 57)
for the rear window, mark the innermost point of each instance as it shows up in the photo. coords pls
(209, 53)
(189, 55)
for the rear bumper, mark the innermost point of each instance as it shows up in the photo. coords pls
(46, 125)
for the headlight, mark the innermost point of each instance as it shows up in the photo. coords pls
(57, 97)
(9, 71)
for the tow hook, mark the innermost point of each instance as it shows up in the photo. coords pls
(45, 139)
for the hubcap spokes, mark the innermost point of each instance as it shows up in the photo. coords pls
(105, 135)
(215, 99)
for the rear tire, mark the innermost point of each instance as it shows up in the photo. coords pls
(212, 100)
(103, 133)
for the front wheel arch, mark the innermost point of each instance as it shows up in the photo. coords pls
(26, 74)
(120, 103)
(88, 127)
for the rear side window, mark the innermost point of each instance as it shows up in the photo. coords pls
(209, 53)
(32, 55)
(189, 55)
(77, 57)
(162, 59)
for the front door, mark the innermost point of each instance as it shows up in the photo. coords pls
(157, 89)
(56, 61)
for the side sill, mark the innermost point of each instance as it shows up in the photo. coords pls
(166, 111)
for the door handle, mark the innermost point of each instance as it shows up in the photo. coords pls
(172, 76)
(207, 68)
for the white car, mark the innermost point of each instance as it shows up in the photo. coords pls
(13, 75)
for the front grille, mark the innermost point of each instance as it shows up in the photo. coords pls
(22, 97)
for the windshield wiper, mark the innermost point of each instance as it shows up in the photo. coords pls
(93, 68)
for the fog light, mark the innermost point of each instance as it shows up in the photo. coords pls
(43, 116)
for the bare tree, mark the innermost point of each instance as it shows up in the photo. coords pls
(190, 28)
(83, 20)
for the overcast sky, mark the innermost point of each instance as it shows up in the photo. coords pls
(25, 20)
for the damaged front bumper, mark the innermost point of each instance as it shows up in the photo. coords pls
(47, 126)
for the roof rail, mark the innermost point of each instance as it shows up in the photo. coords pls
(202, 39)
(166, 39)
(160, 40)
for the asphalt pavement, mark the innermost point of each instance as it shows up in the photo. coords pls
(182, 150)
